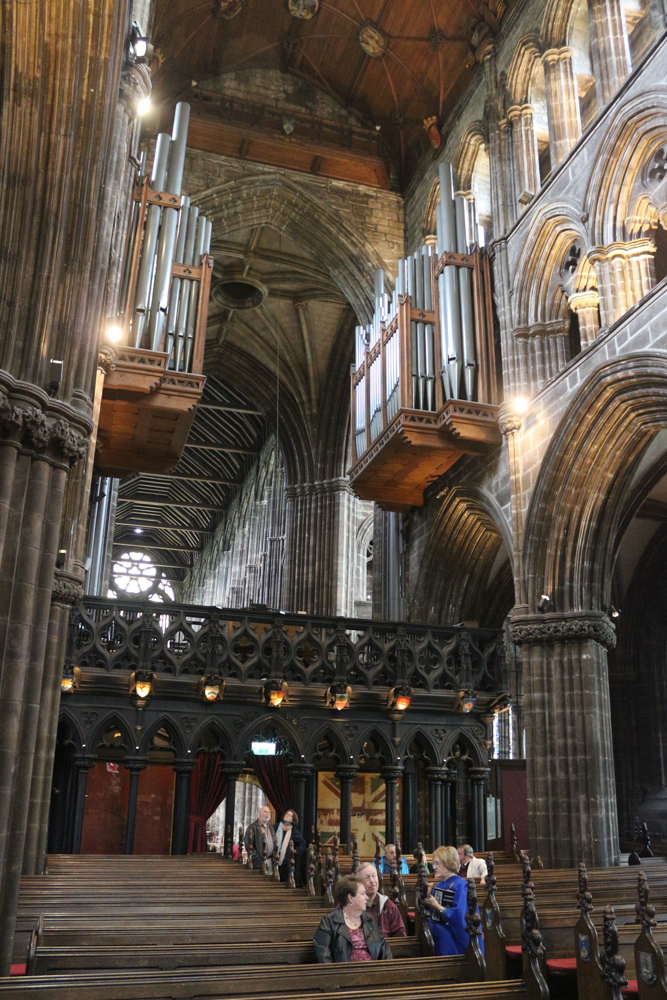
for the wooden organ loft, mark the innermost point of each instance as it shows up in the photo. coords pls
(151, 392)
(424, 386)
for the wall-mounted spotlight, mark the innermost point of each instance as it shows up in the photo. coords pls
(71, 679)
(520, 404)
(338, 696)
(274, 693)
(211, 687)
(144, 106)
(544, 604)
(138, 47)
(399, 698)
(465, 701)
(612, 611)
(142, 684)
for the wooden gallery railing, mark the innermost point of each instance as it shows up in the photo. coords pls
(155, 379)
(424, 386)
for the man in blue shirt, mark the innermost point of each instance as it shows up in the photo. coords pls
(389, 859)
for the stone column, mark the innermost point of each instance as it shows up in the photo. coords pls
(610, 50)
(510, 427)
(135, 767)
(570, 771)
(311, 806)
(231, 769)
(300, 773)
(562, 103)
(83, 766)
(585, 305)
(66, 593)
(448, 788)
(436, 776)
(345, 776)
(410, 814)
(625, 273)
(179, 837)
(391, 776)
(526, 153)
(478, 777)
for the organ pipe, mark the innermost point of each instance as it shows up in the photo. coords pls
(170, 244)
(465, 297)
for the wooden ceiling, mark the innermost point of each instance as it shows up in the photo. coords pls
(389, 63)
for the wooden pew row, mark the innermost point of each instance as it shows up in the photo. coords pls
(55, 988)
(47, 957)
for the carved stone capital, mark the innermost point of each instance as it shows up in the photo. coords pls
(571, 626)
(437, 773)
(509, 422)
(33, 421)
(107, 358)
(346, 773)
(135, 86)
(67, 590)
(392, 774)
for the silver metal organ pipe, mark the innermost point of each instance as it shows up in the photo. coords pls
(207, 237)
(145, 276)
(420, 402)
(186, 286)
(450, 321)
(168, 226)
(465, 296)
(179, 257)
(429, 329)
(194, 294)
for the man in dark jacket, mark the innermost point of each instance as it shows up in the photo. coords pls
(253, 839)
(349, 934)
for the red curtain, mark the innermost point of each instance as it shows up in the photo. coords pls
(208, 787)
(275, 781)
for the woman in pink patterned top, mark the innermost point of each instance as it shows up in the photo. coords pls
(348, 933)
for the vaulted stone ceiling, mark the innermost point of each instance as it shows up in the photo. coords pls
(389, 63)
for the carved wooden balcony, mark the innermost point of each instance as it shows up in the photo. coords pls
(413, 415)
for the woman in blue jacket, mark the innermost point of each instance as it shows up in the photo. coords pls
(448, 900)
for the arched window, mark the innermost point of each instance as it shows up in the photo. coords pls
(580, 42)
(134, 575)
(639, 27)
(538, 101)
(481, 188)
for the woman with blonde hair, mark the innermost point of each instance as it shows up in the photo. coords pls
(448, 900)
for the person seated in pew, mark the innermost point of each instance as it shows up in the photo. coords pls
(253, 839)
(389, 859)
(470, 866)
(415, 868)
(385, 913)
(285, 833)
(349, 933)
(448, 900)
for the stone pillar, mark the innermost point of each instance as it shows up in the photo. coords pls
(135, 767)
(562, 103)
(83, 766)
(436, 776)
(526, 153)
(311, 806)
(66, 593)
(478, 776)
(231, 769)
(179, 836)
(625, 273)
(508, 161)
(391, 776)
(570, 771)
(585, 305)
(610, 50)
(510, 427)
(345, 776)
(300, 773)
(410, 812)
(448, 790)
